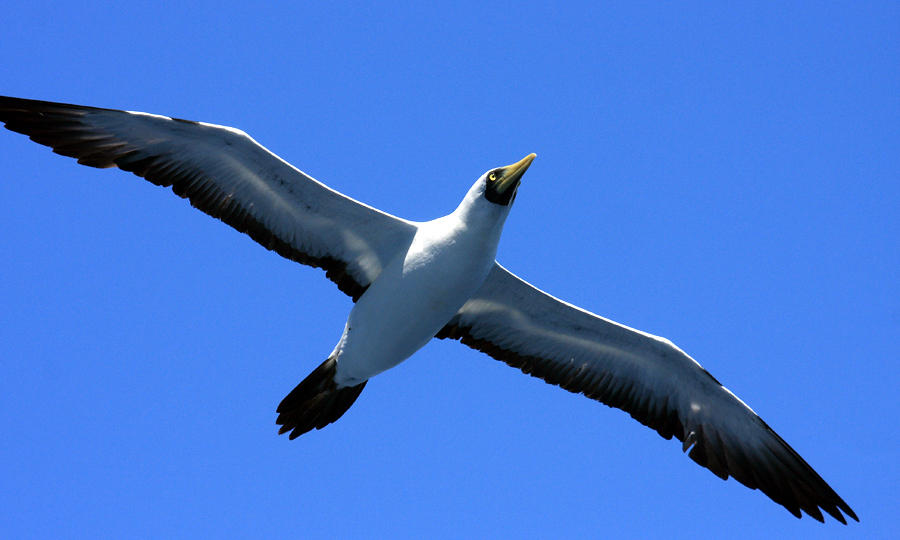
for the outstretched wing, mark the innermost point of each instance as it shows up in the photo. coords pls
(228, 175)
(644, 375)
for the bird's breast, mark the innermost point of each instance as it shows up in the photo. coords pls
(413, 298)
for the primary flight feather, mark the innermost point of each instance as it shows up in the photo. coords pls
(414, 281)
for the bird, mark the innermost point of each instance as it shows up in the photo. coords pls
(414, 281)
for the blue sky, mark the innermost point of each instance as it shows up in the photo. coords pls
(726, 177)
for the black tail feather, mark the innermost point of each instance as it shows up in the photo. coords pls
(316, 402)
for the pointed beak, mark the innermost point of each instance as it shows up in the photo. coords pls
(511, 174)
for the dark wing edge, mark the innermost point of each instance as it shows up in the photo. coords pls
(226, 174)
(722, 433)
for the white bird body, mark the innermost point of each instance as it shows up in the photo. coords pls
(415, 281)
(420, 289)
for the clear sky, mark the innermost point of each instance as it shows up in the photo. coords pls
(728, 178)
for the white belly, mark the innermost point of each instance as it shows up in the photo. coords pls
(413, 298)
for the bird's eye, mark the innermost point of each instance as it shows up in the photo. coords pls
(493, 176)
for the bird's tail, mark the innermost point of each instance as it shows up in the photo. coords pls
(316, 402)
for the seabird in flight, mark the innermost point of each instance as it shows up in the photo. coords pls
(414, 281)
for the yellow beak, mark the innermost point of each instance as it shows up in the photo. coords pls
(511, 174)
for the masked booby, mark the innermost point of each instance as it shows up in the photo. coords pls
(413, 281)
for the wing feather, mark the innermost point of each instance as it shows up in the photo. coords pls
(228, 175)
(646, 376)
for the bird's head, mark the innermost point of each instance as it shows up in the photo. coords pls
(500, 184)
(495, 191)
(490, 198)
